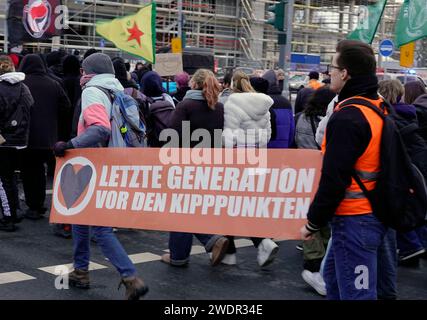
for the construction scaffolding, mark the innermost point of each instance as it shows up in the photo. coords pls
(234, 30)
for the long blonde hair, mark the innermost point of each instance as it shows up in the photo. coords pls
(392, 90)
(205, 80)
(241, 82)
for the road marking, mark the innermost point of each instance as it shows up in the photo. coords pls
(144, 257)
(15, 276)
(51, 269)
(240, 243)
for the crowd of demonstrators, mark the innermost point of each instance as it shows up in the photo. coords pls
(199, 109)
(63, 103)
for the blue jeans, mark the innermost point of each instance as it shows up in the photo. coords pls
(350, 270)
(411, 241)
(387, 267)
(110, 247)
(180, 245)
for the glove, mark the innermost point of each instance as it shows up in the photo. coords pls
(60, 147)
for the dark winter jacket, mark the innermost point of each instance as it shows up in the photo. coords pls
(421, 107)
(15, 108)
(200, 116)
(302, 98)
(414, 143)
(49, 98)
(73, 90)
(282, 119)
(180, 94)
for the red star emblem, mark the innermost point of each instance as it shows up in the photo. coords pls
(135, 33)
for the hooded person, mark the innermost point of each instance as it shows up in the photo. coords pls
(182, 79)
(130, 86)
(282, 119)
(15, 105)
(161, 107)
(71, 80)
(94, 130)
(420, 104)
(54, 62)
(49, 101)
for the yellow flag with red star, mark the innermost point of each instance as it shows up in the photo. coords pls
(135, 34)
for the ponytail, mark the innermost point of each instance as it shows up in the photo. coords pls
(241, 83)
(205, 80)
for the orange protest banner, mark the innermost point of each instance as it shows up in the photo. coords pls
(253, 192)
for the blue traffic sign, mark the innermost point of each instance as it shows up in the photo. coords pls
(386, 48)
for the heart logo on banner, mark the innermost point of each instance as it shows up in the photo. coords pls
(73, 184)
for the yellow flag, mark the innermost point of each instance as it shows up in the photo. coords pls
(407, 54)
(135, 34)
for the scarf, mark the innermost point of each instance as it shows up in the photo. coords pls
(366, 86)
(194, 95)
(85, 79)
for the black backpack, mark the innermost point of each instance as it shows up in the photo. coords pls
(160, 112)
(399, 199)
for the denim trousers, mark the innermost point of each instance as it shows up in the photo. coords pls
(180, 245)
(387, 267)
(411, 241)
(110, 247)
(350, 270)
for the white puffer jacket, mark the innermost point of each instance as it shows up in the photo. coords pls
(247, 120)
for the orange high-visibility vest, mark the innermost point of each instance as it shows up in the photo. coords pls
(367, 166)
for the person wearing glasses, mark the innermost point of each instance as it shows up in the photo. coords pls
(351, 144)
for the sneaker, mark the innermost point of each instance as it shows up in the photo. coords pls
(7, 225)
(79, 279)
(135, 288)
(62, 230)
(218, 251)
(412, 254)
(315, 280)
(267, 251)
(299, 247)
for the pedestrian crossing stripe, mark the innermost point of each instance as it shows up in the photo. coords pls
(55, 270)
(144, 257)
(137, 258)
(15, 276)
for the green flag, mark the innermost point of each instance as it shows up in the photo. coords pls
(412, 22)
(369, 19)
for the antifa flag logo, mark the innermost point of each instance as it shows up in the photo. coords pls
(36, 17)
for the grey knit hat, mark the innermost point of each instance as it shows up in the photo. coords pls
(98, 63)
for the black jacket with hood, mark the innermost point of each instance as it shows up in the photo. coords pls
(49, 99)
(15, 106)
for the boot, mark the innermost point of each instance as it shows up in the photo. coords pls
(79, 279)
(135, 288)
